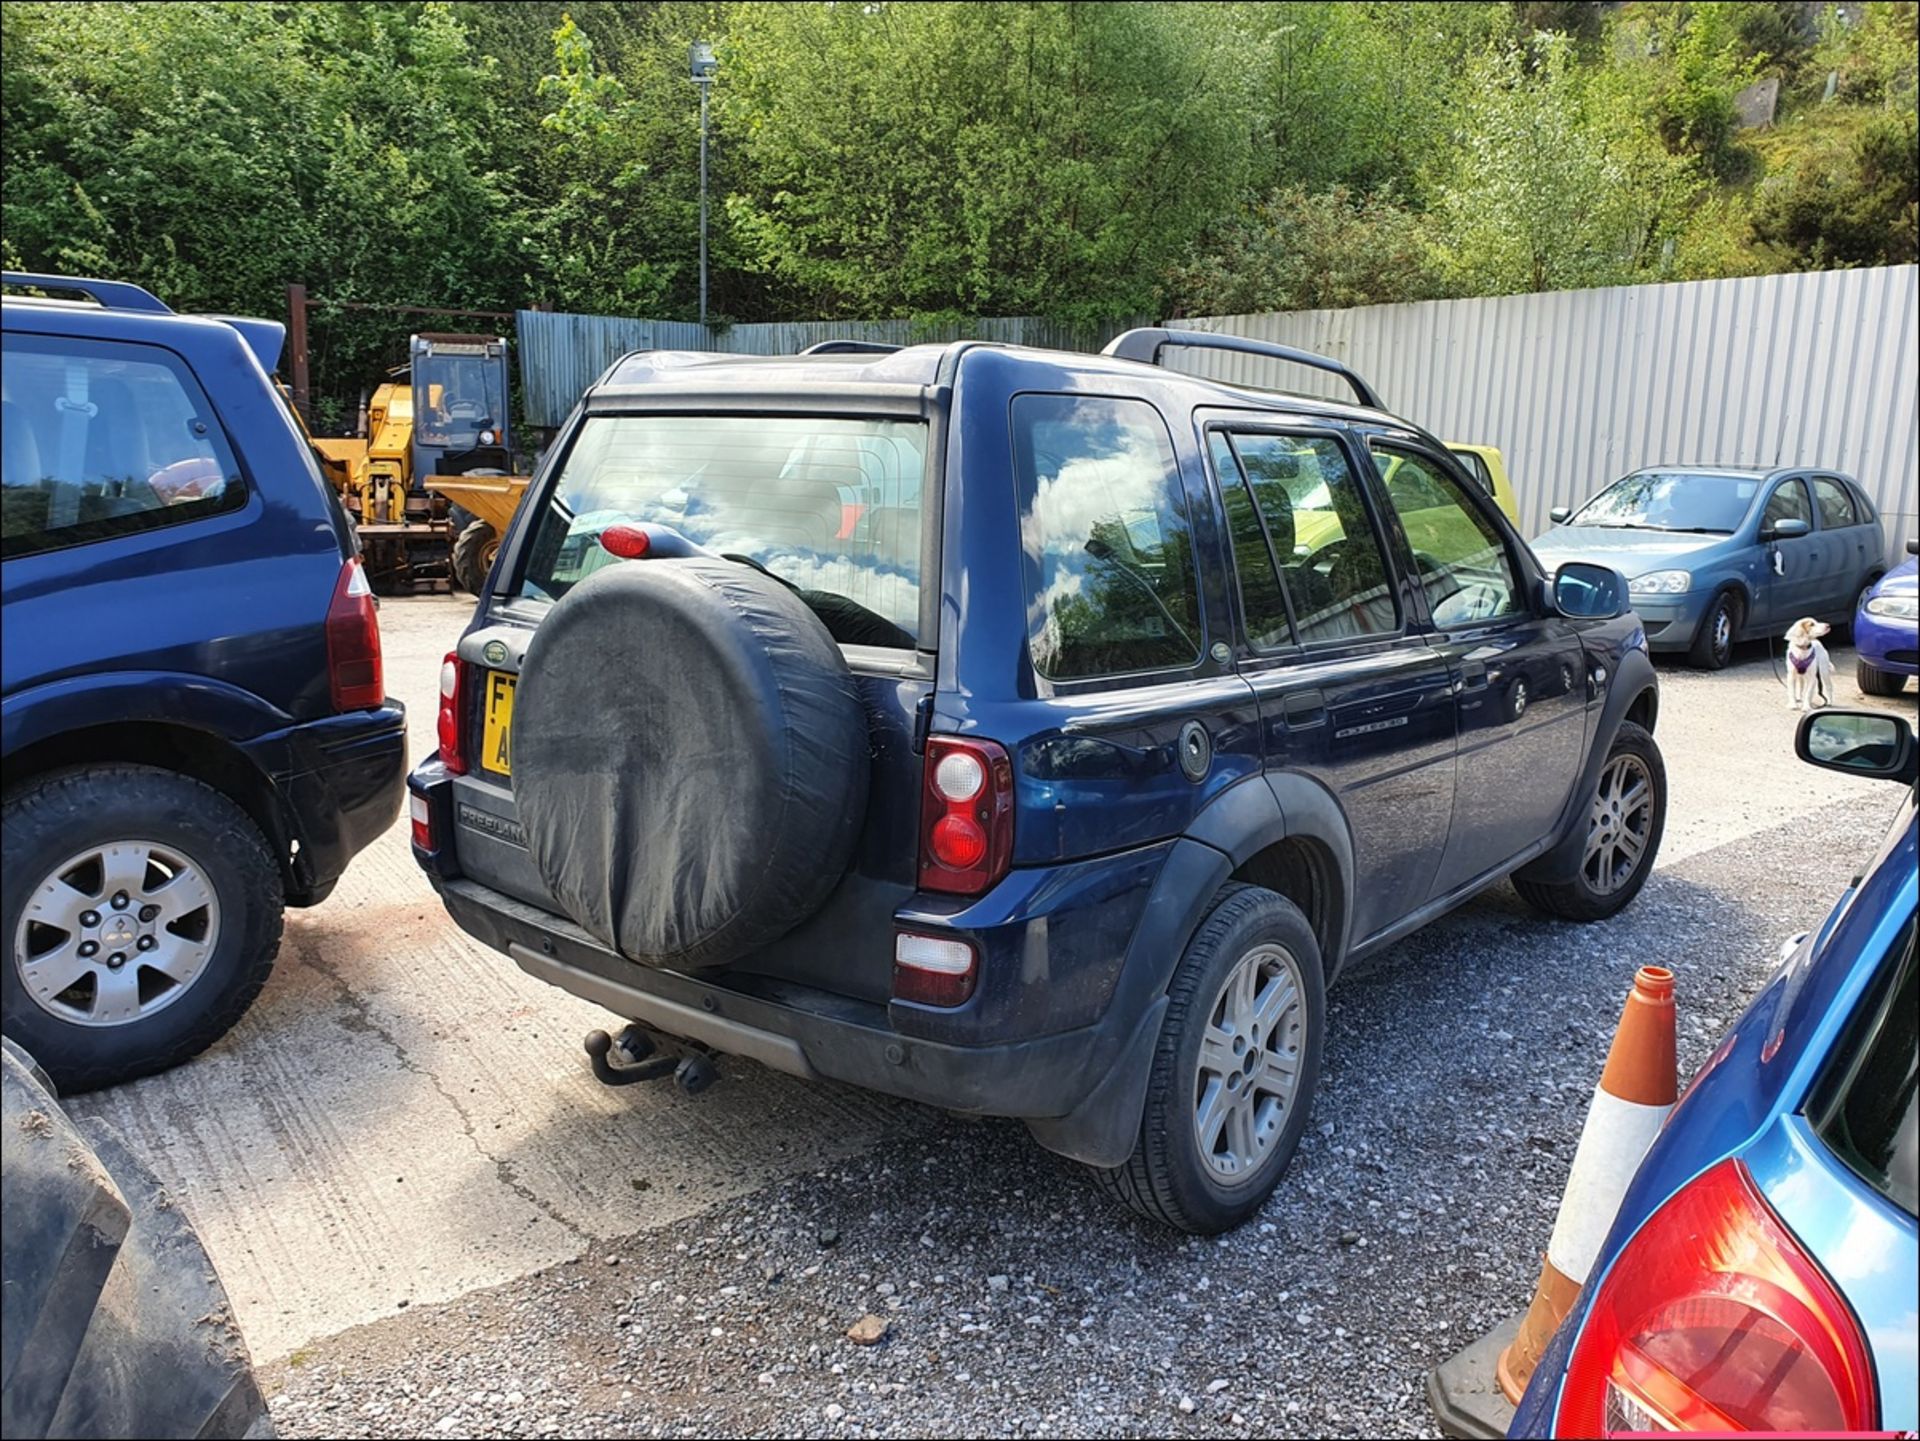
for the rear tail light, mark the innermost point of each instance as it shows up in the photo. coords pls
(421, 815)
(629, 542)
(966, 815)
(354, 674)
(933, 970)
(449, 727)
(1714, 1319)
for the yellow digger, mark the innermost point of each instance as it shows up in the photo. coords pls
(428, 483)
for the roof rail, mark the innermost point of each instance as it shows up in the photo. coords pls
(1148, 341)
(113, 294)
(850, 347)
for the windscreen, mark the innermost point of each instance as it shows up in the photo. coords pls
(830, 507)
(1672, 500)
(458, 392)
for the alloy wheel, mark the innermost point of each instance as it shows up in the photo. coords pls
(1619, 824)
(1250, 1056)
(116, 932)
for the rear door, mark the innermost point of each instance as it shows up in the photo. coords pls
(1519, 674)
(1351, 695)
(1851, 544)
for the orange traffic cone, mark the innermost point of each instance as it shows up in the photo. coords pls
(1637, 1090)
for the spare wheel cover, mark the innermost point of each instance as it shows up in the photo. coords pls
(690, 759)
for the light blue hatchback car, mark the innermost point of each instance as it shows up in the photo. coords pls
(1760, 1274)
(1716, 554)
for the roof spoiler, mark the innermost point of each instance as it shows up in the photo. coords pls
(112, 294)
(265, 338)
(850, 347)
(1146, 343)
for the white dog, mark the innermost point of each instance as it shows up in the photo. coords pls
(1809, 669)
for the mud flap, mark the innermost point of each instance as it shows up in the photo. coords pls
(114, 1323)
(1103, 1129)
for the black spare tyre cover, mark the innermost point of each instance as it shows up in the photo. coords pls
(690, 759)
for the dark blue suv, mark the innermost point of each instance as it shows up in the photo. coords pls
(1027, 734)
(196, 731)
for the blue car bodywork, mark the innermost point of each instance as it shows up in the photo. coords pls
(1757, 1100)
(1886, 628)
(1776, 581)
(1350, 755)
(199, 647)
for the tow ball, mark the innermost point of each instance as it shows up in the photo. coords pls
(630, 1059)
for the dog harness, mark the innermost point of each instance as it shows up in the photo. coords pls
(1802, 664)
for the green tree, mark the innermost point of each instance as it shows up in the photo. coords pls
(1541, 193)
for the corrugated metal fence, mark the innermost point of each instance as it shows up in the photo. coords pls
(1580, 387)
(561, 355)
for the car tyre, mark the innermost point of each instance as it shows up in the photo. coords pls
(1623, 834)
(1712, 645)
(1874, 681)
(1234, 1069)
(76, 823)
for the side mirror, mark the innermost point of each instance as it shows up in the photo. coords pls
(1560, 514)
(1913, 547)
(1867, 743)
(1786, 530)
(1589, 592)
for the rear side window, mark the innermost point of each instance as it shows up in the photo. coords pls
(1864, 1108)
(1109, 553)
(1331, 563)
(829, 507)
(1836, 504)
(104, 438)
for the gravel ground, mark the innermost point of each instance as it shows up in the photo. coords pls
(1019, 1302)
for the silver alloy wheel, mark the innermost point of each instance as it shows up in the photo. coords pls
(1249, 1063)
(1619, 824)
(116, 933)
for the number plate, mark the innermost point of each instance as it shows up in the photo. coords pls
(496, 734)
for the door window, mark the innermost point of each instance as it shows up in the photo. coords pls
(1331, 564)
(1263, 607)
(1109, 551)
(103, 438)
(1836, 504)
(1475, 466)
(1459, 556)
(1788, 502)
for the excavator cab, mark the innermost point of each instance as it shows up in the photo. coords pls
(459, 406)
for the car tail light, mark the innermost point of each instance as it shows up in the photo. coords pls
(353, 643)
(1714, 1319)
(421, 814)
(966, 815)
(449, 724)
(933, 970)
(629, 542)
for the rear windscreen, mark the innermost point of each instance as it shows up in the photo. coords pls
(830, 507)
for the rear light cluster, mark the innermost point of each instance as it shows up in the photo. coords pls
(1714, 1319)
(933, 970)
(354, 674)
(421, 816)
(966, 816)
(449, 725)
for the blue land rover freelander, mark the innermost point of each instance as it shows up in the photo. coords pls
(196, 732)
(1027, 734)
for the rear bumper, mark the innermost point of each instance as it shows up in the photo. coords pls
(798, 1029)
(340, 781)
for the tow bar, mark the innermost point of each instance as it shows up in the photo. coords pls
(631, 1059)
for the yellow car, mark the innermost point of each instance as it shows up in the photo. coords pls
(1486, 465)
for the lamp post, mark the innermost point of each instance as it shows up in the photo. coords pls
(700, 69)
